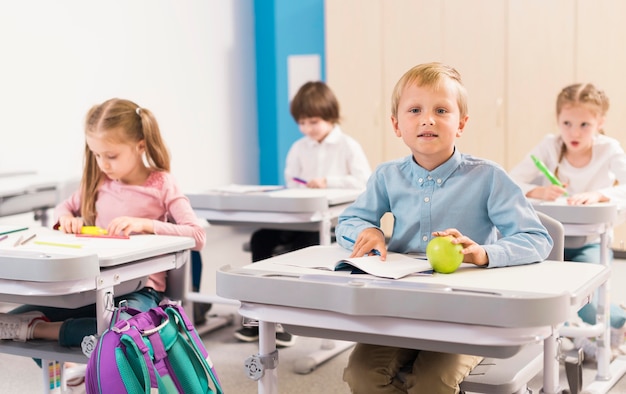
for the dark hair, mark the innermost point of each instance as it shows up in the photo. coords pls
(315, 99)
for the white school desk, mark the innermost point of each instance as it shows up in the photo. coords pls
(301, 209)
(285, 209)
(72, 277)
(580, 221)
(22, 192)
(488, 312)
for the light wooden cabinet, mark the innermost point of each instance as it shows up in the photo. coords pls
(514, 57)
(601, 59)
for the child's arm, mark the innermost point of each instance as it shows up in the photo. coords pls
(181, 218)
(530, 179)
(67, 214)
(547, 193)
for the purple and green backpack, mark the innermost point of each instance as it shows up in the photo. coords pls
(158, 351)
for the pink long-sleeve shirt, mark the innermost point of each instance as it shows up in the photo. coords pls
(159, 199)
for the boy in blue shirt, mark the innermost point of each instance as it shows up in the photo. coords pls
(435, 191)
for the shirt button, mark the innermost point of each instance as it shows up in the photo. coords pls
(426, 199)
(439, 181)
(424, 238)
(430, 178)
(420, 180)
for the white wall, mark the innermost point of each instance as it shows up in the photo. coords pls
(191, 62)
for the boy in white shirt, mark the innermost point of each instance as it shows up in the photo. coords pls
(324, 157)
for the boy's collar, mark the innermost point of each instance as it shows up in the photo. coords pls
(445, 169)
(331, 138)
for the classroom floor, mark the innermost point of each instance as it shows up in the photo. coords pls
(22, 375)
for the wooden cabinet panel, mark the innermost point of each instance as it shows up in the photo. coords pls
(474, 44)
(412, 34)
(354, 63)
(600, 59)
(541, 38)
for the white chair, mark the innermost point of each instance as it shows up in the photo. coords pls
(511, 376)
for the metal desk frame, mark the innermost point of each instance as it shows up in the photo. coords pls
(122, 265)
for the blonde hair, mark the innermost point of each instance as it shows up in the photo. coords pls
(583, 94)
(587, 95)
(430, 75)
(123, 122)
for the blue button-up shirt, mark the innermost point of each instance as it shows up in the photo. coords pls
(475, 196)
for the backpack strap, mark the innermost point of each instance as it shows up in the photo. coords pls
(132, 339)
(177, 311)
(177, 314)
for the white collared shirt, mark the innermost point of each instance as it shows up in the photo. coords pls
(339, 158)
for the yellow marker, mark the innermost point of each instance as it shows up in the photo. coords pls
(93, 230)
(75, 246)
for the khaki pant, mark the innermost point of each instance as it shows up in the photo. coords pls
(373, 369)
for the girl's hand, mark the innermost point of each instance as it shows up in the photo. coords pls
(125, 225)
(370, 241)
(473, 253)
(317, 183)
(548, 193)
(70, 224)
(586, 198)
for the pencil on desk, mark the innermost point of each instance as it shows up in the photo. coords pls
(28, 239)
(75, 246)
(19, 241)
(14, 231)
(4, 237)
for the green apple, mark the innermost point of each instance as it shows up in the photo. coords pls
(444, 256)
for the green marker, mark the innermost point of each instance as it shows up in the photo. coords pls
(542, 167)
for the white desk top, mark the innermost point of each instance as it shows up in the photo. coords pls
(22, 192)
(49, 263)
(582, 223)
(18, 184)
(282, 200)
(519, 296)
(489, 312)
(64, 277)
(579, 214)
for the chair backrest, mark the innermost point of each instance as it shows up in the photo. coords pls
(557, 232)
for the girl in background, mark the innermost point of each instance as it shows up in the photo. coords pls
(592, 168)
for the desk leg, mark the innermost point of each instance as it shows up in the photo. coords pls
(550, 365)
(324, 228)
(268, 384)
(603, 352)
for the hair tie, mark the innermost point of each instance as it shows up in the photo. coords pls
(138, 111)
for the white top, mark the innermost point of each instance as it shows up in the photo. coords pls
(339, 158)
(607, 165)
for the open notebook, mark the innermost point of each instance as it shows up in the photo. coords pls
(336, 258)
